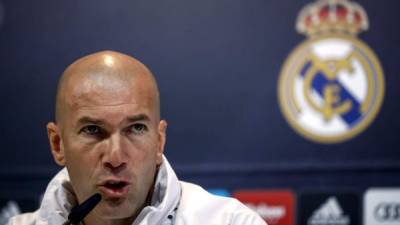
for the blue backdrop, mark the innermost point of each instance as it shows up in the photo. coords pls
(217, 64)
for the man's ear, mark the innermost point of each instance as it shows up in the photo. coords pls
(57, 148)
(162, 135)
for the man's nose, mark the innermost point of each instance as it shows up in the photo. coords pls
(115, 158)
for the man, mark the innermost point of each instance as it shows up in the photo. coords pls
(109, 137)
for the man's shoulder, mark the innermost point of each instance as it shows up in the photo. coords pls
(195, 193)
(198, 204)
(24, 219)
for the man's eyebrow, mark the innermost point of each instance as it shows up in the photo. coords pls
(86, 119)
(130, 119)
(139, 117)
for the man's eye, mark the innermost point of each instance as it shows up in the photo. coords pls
(91, 130)
(138, 128)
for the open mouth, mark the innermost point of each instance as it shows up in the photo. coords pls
(115, 185)
(114, 189)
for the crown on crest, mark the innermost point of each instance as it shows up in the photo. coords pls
(332, 16)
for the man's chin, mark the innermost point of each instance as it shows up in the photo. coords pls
(114, 209)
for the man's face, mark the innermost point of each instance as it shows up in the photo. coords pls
(112, 141)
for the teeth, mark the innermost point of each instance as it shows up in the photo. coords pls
(113, 182)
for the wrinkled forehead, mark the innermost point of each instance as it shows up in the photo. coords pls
(104, 89)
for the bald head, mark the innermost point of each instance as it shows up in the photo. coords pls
(104, 78)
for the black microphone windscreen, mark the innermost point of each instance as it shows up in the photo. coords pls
(79, 212)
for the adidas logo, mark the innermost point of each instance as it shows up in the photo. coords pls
(272, 214)
(329, 213)
(9, 210)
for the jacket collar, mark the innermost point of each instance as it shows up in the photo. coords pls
(59, 199)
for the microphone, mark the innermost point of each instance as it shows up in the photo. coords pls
(80, 211)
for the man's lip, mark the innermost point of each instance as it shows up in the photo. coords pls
(119, 190)
(114, 192)
(113, 180)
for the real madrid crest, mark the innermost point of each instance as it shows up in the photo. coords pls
(331, 86)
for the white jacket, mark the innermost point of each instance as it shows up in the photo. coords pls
(174, 202)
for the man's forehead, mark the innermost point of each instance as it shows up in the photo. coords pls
(112, 115)
(109, 109)
(91, 94)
